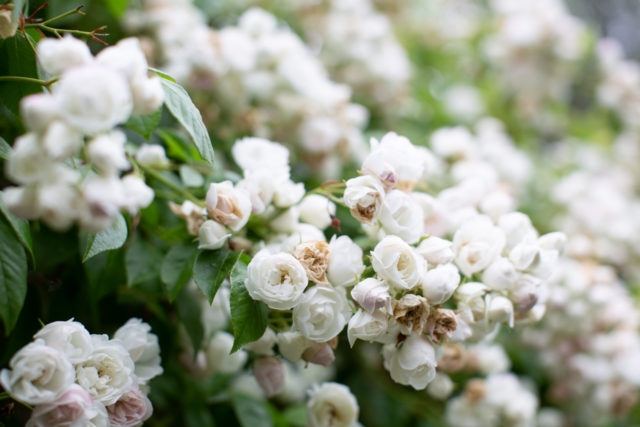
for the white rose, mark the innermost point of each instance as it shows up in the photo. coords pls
(70, 337)
(499, 309)
(22, 201)
(37, 374)
(500, 274)
(401, 216)
(108, 371)
(93, 99)
(126, 57)
(152, 155)
(278, 280)
(287, 221)
(58, 55)
(440, 283)
(477, 243)
(288, 193)
(317, 210)
(219, 359)
(345, 261)
(517, 228)
(27, 162)
(38, 111)
(131, 410)
(393, 160)
(147, 94)
(436, 250)
(61, 141)
(398, 263)
(257, 153)
(72, 409)
(264, 345)
(366, 326)
(441, 387)
(212, 235)
(364, 196)
(292, 344)
(372, 295)
(106, 152)
(414, 363)
(321, 314)
(471, 295)
(332, 404)
(143, 347)
(137, 194)
(58, 204)
(227, 205)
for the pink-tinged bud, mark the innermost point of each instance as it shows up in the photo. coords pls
(269, 373)
(74, 406)
(132, 409)
(320, 354)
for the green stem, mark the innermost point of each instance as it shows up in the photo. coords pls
(171, 185)
(45, 83)
(63, 15)
(57, 31)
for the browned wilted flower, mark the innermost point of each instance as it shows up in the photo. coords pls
(454, 358)
(412, 313)
(314, 257)
(192, 214)
(441, 324)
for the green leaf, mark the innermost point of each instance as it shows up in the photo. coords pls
(108, 239)
(5, 149)
(248, 317)
(211, 268)
(190, 177)
(18, 59)
(251, 412)
(177, 267)
(162, 74)
(21, 228)
(117, 7)
(145, 125)
(182, 108)
(13, 277)
(142, 260)
(296, 415)
(189, 310)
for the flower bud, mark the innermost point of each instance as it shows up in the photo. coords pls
(436, 250)
(345, 261)
(292, 344)
(367, 326)
(371, 294)
(440, 283)
(8, 27)
(500, 274)
(441, 387)
(500, 309)
(212, 235)
(317, 210)
(152, 155)
(58, 55)
(320, 354)
(38, 111)
(264, 345)
(269, 373)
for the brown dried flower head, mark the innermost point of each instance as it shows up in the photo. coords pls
(441, 324)
(192, 214)
(314, 257)
(412, 313)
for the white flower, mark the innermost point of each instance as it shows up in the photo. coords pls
(37, 374)
(107, 373)
(219, 359)
(126, 57)
(8, 25)
(38, 111)
(263, 345)
(73, 409)
(517, 228)
(372, 295)
(320, 134)
(453, 142)
(93, 99)
(321, 313)
(269, 372)
(402, 216)
(143, 347)
(317, 210)
(22, 201)
(60, 140)
(345, 261)
(137, 194)
(131, 410)
(332, 405)
(227, 205)
(212, 235)
(278, 280)
(414, 363)
(366, 326)
(147, 93)
(477, 243)
(499, 309)
(441, 387)
(288, 193)
(58, 55)
(106, 152)
(152, 155)
(394, 160)
(253, 154)
(70, 337)
(500, 274)
(436, 250)
(292, 344)
(364, 196)
(440, 283)
(287, 221)
(27, 162)
(398, 263)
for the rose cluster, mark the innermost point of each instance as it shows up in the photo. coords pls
(75, 378)
(68, 165)
(262, 78)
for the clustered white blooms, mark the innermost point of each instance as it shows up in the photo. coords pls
(75, 124)
(500, 399)
(75, 378)
(358, 47)
(535, 45)
(261, 76)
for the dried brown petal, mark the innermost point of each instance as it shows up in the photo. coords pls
(314, 257)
